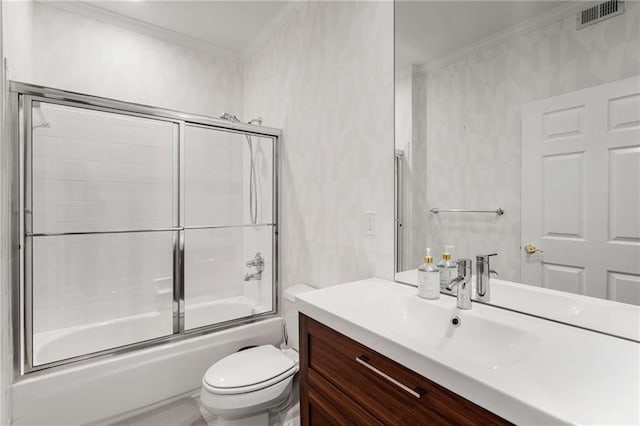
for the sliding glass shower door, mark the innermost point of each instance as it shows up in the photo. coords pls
(138, 226)
(99, 229)
(228, 192)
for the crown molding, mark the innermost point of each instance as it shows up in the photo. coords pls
(97, 13)
(553, 15)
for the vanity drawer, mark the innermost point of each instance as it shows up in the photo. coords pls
(389, 391)
(322, 404)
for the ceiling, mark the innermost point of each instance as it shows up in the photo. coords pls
(429, 30)
(425, 30)
(222, 27)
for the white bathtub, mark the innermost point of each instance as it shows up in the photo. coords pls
(201, 314)
(95, 390)
(65, 343)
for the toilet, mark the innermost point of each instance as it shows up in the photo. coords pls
(241, 388)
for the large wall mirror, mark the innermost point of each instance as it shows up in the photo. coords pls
(518, 133)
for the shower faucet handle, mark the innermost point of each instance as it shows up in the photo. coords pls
(257, 262)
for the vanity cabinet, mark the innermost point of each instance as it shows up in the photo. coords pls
(344, 382)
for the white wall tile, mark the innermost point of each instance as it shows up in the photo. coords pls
(75, 276)
(89, 182)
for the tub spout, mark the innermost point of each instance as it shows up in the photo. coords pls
(253, 277)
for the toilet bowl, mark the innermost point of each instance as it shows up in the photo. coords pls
(242, 387)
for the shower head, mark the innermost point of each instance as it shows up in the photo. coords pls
(256, 120)
(229, 117)
(253, 195)
(44, 122)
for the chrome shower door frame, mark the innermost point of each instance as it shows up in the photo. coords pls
(21, 97)
(398, 204)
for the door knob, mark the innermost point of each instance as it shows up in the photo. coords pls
(530, 249)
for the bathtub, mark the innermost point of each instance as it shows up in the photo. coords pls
(201, 314)
(65, 343)
(94, 390)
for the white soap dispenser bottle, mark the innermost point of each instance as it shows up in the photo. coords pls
(447, 267)
(428, 278)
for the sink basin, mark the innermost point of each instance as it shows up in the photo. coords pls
(427, 324)
(616, 319)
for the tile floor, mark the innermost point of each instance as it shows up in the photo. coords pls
(188, 411)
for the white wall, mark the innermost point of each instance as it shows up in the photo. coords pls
(50, 47)
(473, 124)
(5, 248)
(326, 79)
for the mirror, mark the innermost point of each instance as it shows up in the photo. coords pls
(531, 109)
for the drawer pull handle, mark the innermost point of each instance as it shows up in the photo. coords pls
(418, 392)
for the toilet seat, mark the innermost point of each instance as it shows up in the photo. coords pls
(249, 370)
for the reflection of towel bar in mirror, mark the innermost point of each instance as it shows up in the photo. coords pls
(498, 211)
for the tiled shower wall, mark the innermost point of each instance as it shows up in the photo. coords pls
(98, 171)
(94, 171)
(326, 79)
(473, 124)
(216, 176)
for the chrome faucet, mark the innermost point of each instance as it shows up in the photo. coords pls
(258, 263)
(483, 275)
(463, 284)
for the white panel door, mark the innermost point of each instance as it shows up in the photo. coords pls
(581, 191)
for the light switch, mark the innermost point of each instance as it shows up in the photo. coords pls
(370, 223)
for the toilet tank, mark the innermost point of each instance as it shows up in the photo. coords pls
(290, 312)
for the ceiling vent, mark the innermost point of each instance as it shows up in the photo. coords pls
(597, 12)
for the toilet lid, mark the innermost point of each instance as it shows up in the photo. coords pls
(261, 366)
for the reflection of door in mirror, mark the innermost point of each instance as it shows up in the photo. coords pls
(581, 191)
(460, 97)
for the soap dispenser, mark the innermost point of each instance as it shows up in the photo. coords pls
(428, 278)
(448, 268)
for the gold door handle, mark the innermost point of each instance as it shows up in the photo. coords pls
(531, 249)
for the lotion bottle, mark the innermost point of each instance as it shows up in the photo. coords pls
(428, 278)
(447, 267)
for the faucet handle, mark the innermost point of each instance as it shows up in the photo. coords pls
(463, 282)
(484, 257)
(483, 274)
(257, 260)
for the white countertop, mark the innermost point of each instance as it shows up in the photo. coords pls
(618, 319)
(558, 374)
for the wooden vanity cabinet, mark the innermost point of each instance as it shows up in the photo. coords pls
(343, 382)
